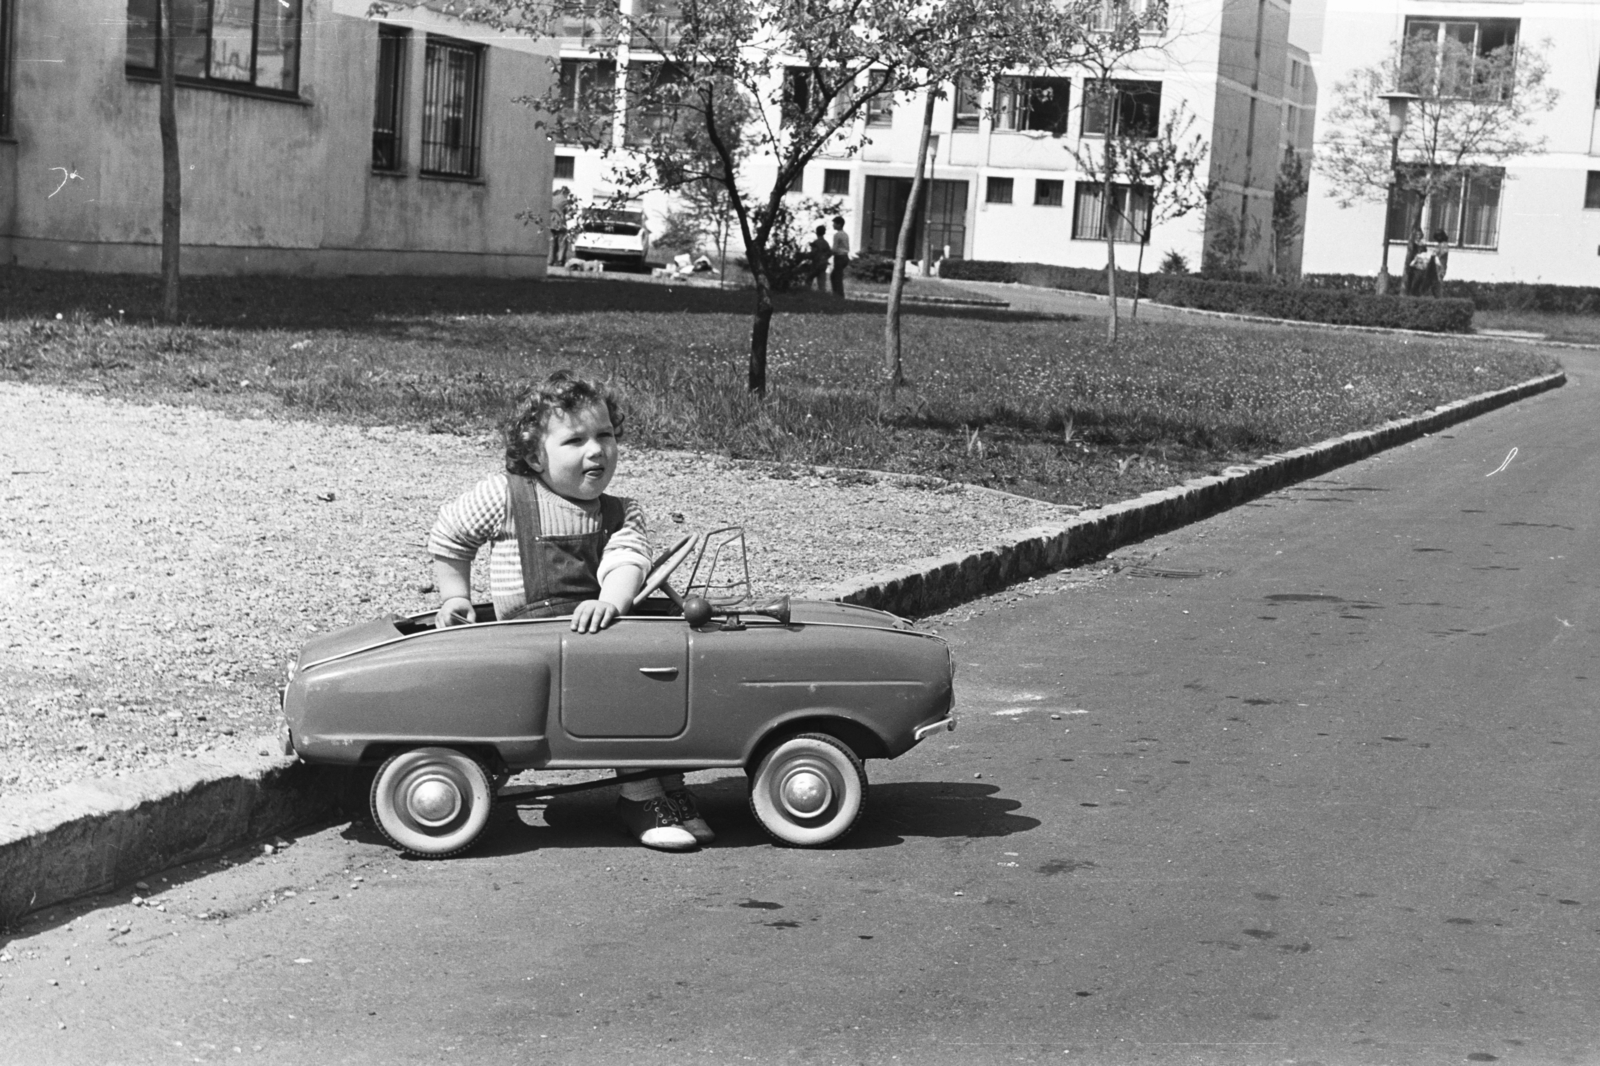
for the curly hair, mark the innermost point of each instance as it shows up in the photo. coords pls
(561, 391)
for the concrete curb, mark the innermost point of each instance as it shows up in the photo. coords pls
(932, 585)
(96, 835)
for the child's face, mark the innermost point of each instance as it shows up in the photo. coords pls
(579, 452)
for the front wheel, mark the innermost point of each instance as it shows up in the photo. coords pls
(432, 802)
(809, 790)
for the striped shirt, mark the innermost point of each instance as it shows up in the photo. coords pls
(482, 515)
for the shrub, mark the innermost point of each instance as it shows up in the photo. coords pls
(1174, 262)
(1044, 275)
(868, 267)
(1313, 305)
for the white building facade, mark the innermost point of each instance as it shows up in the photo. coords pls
(1004, 185)
(1541, 222)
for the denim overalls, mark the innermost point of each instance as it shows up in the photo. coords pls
(558, 573)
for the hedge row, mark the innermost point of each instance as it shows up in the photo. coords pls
(1313, 305)
(1329, 304)
(1485, 295)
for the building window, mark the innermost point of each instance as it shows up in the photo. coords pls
(1135, 105)
(1110, 15)
(968, 104)
(1129, 217)
(451, 108)
(657, 26)
(231, 42)
(388, 111)
(654, 109)
(797, 82)
(1466, 211)
(585, 22)
(566, 168)
(999, 191)
(1047, 192)
(835, 182)
(588, 97)
(1296, 73)
(880, 106)
(1445, 57)
(1032, 104)
(1291, 122)
(799, 182)
(1591, 192)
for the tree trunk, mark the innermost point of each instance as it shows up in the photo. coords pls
(1138, 275)
(171, 174)
(1111, 247)
(760, 327)
(892, 366)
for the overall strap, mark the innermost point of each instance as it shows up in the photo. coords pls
(525, 514)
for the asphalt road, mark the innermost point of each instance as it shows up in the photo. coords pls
(1310, 782)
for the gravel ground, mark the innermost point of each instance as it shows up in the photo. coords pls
(160, 565)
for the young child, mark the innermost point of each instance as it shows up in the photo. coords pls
(558, 544)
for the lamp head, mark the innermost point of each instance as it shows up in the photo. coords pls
(1398, 103)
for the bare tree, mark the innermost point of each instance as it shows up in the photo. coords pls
(1119, 32)
(1166, 168)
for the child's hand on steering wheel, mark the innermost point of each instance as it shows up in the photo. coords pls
(455, 611)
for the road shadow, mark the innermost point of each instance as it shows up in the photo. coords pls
(895, 812)
(385, 304)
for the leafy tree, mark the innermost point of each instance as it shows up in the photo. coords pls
(1288, 192)
(1474, 112)
(785, 73)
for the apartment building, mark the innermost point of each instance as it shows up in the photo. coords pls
(313, 139)
(1003, 182)
(1537, 218)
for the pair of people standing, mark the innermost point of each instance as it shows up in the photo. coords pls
(1425, 266)
(837, 250)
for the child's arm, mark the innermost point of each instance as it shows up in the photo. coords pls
(454, 579)
(621, 574)
(616, 598)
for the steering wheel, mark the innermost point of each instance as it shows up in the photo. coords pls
(662, 568)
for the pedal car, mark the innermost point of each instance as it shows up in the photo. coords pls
(798, 694)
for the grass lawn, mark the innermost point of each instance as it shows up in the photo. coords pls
(1040, 406)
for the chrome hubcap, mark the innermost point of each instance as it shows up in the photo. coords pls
(433, 799)
(805, 792)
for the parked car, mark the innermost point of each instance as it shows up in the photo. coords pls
(797, 693)
(613, 234)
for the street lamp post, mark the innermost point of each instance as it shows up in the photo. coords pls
(1398, 102)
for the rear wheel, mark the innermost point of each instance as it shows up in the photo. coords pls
(432, 802)
(809, 790)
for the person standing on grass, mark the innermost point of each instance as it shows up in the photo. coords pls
(558, 545)
(841, 255)
(821, 253)
(1415, 245)
(1438, 261)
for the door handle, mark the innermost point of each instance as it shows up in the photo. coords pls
(665, 672)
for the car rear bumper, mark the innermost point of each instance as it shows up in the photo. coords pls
(943, 725)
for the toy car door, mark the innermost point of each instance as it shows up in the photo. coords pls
(631, 680)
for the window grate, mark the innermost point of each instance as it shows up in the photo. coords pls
(451, 105)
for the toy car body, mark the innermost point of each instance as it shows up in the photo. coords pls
(615, 234)
(797, 694)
